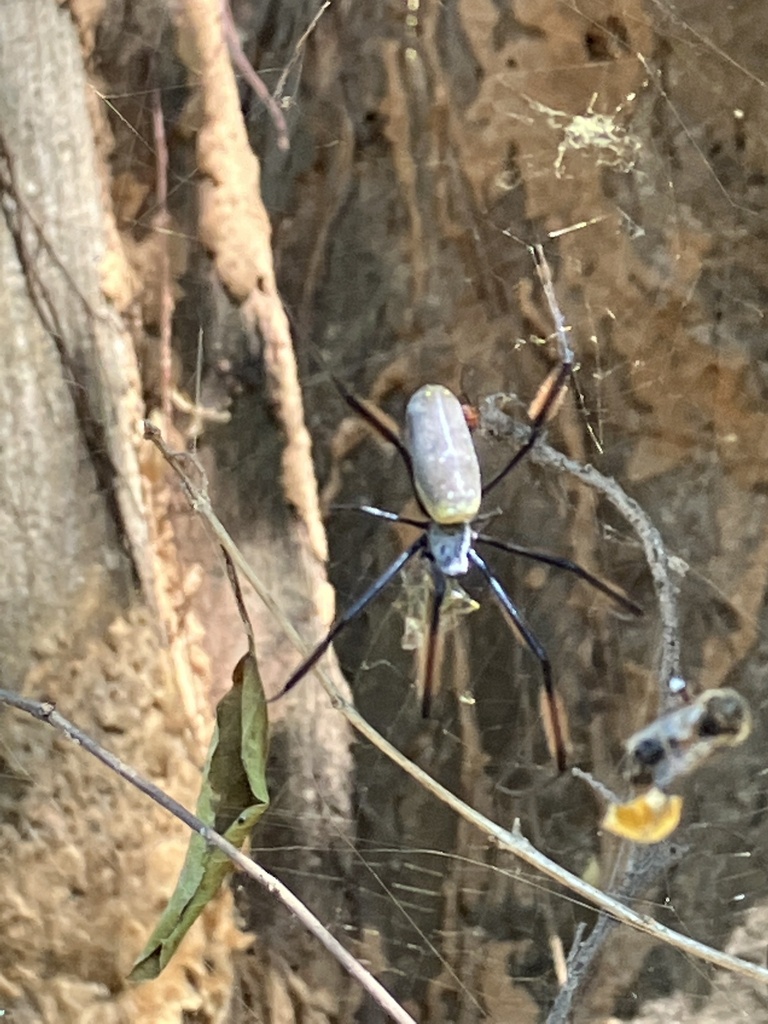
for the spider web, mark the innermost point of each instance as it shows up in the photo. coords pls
(630, 143)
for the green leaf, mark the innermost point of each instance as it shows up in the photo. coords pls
(233, 798)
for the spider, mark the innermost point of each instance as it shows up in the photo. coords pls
(442, 463)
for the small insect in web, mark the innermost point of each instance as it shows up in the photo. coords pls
(440, 457)
(415, 600)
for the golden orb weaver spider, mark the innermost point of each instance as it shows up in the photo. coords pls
(442, 463)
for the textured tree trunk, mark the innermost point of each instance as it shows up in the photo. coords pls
(70, 488)
(86, 594)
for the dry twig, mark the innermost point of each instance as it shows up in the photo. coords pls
(253, 79)
(498, 423)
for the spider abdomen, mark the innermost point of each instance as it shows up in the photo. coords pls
(446, 473)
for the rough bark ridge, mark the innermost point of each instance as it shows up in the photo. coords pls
(86, 865)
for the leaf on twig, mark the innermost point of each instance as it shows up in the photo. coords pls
(233, 798)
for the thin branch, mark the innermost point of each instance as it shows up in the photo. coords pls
(234, 582)
(278, 93)
(561, 328)
(498, 423)
(512, 841)
(46, 712)
(246, 69)
(644, 866)
(583, 956)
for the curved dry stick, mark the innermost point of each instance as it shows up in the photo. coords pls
(499, 424)
(253, 78)
(512, 841)
(297, 50)
(45, 711)
(496, 421)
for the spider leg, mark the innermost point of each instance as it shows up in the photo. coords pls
(382, 513)
(562, 563)
(545, 403)
(538, 424)
(366, 413)
(534, 646)
(350, 614)
(430, 657)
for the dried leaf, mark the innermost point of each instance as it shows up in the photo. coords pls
(233, 798)
(648, 818)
